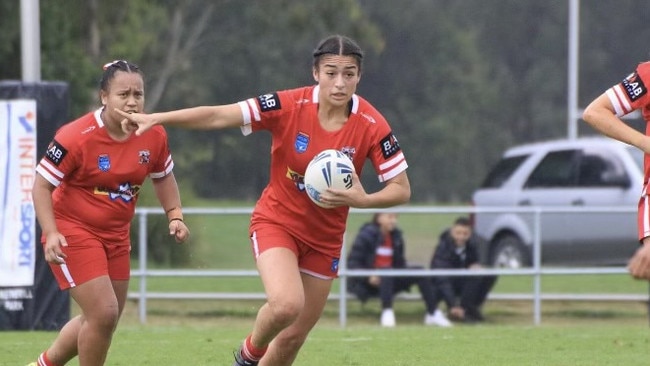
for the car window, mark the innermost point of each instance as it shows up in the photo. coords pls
(556, 169)
(502, 171)
(601, 168)
(591, 171)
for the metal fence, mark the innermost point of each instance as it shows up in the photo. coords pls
(536, 271)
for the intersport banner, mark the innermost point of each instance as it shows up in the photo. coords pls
(17, 172)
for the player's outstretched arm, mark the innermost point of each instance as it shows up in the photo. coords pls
(205, 118)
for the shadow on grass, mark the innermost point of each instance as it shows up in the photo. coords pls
(407, 312)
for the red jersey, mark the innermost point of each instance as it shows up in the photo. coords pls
(97, 179)
(632, 94)
(384, 253)
(291, 116)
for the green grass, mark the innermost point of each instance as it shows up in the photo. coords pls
(501, 345)
(205, 332)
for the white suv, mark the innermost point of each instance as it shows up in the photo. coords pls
(582, 172)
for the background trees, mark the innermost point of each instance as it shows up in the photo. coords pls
(459, 80)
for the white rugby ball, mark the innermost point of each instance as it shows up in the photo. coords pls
(329, 168)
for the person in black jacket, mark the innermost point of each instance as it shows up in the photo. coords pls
(464, 295)
(380, 245)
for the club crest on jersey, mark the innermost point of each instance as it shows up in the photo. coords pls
(634, 86)
(144, 156)
(301, 143)
(103, 162)
(349, 151)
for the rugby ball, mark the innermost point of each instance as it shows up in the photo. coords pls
(329, 168)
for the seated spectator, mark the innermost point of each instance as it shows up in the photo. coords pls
(380, 245)
(464, 295)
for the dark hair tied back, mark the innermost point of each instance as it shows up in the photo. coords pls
(338, 45)
(112, 67)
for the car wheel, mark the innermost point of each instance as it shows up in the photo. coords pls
(509, 252)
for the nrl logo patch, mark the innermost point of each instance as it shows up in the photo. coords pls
(103, 162)
(302, 142)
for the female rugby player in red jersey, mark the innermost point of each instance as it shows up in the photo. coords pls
(85, 194)
(296, 244)
(604, 114)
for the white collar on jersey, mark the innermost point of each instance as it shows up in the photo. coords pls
(355, 99)
(98, 117)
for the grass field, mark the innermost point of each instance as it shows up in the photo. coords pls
(211, 342)
(205, 332)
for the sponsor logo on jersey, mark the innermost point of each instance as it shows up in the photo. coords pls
(634, 86)
(55, 152)
(335, 265)
(104, 162)
(389, 145)
(301, 143)
(144, 156)
(297, 179)
(125, 192)
(269, 102)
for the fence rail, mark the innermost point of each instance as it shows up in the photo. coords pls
(536, 271)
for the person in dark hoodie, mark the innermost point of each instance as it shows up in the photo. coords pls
(380, 245)
(464, 295)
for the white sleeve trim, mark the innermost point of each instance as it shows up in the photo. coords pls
(246, 129)
(168, 169)
(47, 175)
(619, 101)
(393, 172)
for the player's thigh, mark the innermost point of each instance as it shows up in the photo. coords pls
(96, 298)
(278, 268)
(121, 289)
(276, 256)
(316, 292)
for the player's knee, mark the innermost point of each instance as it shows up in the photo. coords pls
(104, 318)
(285, 311)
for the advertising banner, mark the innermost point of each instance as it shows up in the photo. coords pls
(17, 218)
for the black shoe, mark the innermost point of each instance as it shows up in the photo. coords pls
(240, 361)
(473, 316)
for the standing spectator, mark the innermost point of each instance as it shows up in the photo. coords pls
(604, 114)
(85, 195)
(464, 295)
(297, 244)
(380, 245)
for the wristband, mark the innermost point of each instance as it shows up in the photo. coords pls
(172, 209)
(176, 218)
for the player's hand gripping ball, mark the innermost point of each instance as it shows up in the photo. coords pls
(329, 168)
